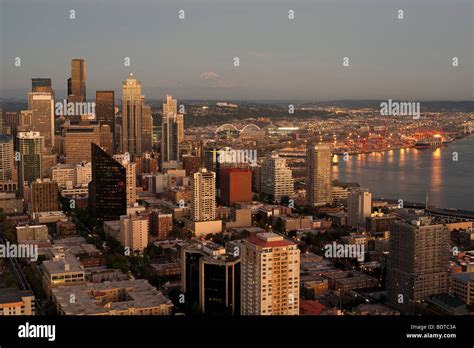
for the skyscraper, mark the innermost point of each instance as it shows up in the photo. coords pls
(30, 146)
(108, 188)
(42, 107)
(107, 139)
(277, 178)
(210, 276)
(132, 103)
(105, 109)
(147, 129)
(78, 137)
(318, 187)
(180, 125)
(171, 128)
(170, 105)
(359, 207)
(203, 196)
(25, 118)
(42, 85)
(418, 264)
(78, 81)
(219, 284)
(270, 276)
(131, 177)
(6, 157)
(10, 123)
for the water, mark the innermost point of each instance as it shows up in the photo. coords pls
(409, 173)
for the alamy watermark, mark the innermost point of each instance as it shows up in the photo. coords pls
(344, 251)
(26, 251)
(395, 108)
(229, 155)
(37, 331)
(72, 109)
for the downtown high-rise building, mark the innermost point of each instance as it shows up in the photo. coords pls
(30, 147)
(134, 230)
(270, 276)
(132, 110)
(210, 277)
(107, 139)
(276, 178)
(41, 105)
(131, 177)
(318, 175)
(418, 263)
(42, 85)
(359, 207)
(7, 157)
(203, 196)
(77, 82)
(78, 137)
(219, 285)
(108, 187)
(25, 120)
(172, 130)
(147, 129)
(44, 196)
(10, 123)
(105, 109)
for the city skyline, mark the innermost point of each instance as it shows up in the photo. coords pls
(237, 159)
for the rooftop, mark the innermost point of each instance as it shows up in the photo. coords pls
(9, 295)
(465, 276)
(66, 265)
(269, 240)
(101, 298)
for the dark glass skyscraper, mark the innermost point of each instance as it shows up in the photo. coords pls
(107, 190)
(219, 280)
(77, 87)
(105, 109)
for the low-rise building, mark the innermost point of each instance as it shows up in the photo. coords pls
(16, 302)
(463, 287)
(373, 309)
(10, 203)
(127, 297)
(112, 228)
(349, 280)
(31, 232)
(62, 271)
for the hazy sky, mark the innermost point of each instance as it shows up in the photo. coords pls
(298, 59)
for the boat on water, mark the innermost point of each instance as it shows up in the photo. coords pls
(433, 142)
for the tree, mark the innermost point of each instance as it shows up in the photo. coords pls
(278, 225)
(153, 251)
(292, 234)
(118, 261)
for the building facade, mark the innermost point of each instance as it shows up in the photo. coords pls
(270, 276)
(318, 172)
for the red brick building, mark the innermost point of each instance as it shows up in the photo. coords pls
(191, 164)
(235, 185)
(161, 224)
